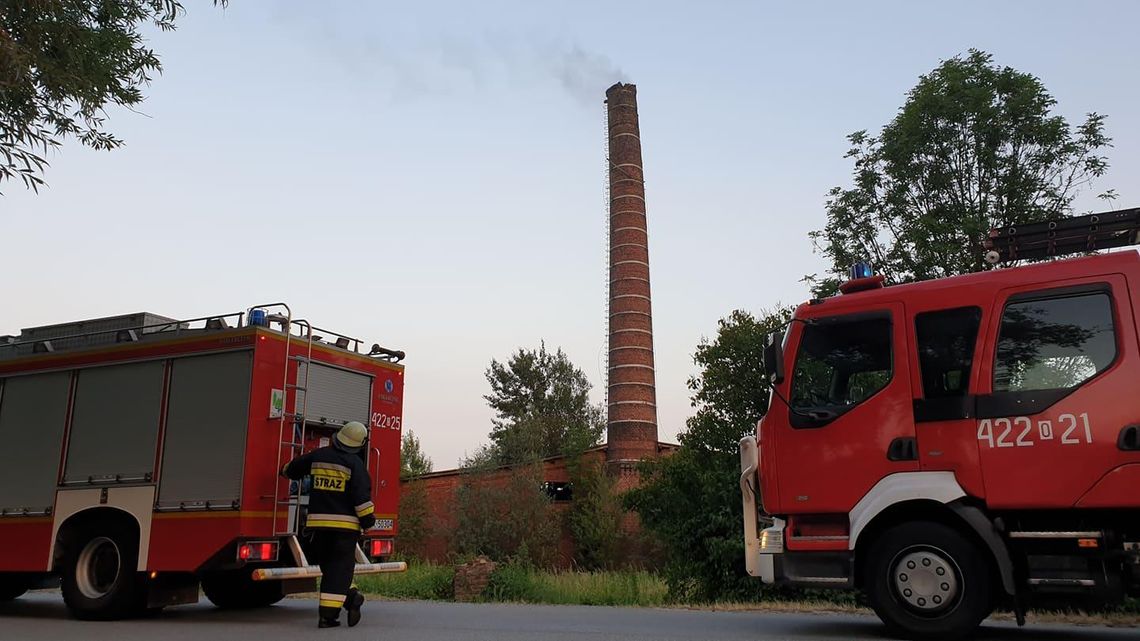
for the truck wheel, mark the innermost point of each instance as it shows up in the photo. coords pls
(99, 577)
(926, 581)
(236, 590)
(12, 586)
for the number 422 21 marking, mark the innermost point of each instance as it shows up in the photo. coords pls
(1019, 431)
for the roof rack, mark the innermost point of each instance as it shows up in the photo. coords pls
(1063, 236)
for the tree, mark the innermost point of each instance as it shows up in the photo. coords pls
(413, 461)
(542, 407)
(416, 526)
(61, 64)
(975, 146)
(691, 499)
(505, 515)
(594, 518)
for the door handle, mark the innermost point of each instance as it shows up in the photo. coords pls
(903, 449)
(375, 472)
(1129, 439)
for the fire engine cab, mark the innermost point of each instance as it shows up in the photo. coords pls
(141, 456)
(954, 445)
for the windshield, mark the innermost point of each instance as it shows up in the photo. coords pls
(840, 363)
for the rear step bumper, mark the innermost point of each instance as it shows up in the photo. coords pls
(313, 571)
(305, 571)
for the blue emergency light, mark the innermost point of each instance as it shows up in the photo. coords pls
(861, 269)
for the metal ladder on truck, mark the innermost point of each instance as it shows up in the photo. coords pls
(1063, 236)
(296, 423)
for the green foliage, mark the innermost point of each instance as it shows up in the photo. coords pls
(421, 581)
(542, 405)
(413, 461)
(506, 516)
(691, 500)
(523, 584)
(62, 63)
(595, 516)
(415, 519)
(975, 146)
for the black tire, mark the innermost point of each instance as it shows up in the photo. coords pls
(926, 581)
(236, 590)
(100, 580)
(12, 586)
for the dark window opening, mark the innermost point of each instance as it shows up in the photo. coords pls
(1054, 344)
(559, 491)
(946, 341)
(839, 364)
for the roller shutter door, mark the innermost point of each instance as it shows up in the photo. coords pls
(206, 424)
(336, 395)
(33, 411)
(114, 429)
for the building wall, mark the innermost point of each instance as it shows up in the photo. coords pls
(441, 487)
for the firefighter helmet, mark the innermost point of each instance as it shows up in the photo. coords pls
(351, 435)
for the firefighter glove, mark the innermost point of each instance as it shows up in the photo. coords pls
(368, 521)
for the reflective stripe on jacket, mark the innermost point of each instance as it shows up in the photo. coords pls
(340, 495)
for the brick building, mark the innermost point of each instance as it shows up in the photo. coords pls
(631, 397)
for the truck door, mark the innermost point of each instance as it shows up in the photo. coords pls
(946, 341)
(1058, 384)
(850, 406)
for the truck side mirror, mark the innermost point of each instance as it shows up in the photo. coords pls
(774, 358)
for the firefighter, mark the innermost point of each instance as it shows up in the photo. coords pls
(340, 505)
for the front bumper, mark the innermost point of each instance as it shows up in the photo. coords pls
(770, 548)
(765, 556)
(760, 546)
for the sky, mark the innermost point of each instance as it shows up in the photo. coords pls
(429, 175)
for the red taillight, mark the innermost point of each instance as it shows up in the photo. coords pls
(258, 551)
(381, 547)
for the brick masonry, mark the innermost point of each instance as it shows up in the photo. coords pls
(471, 578)
(632, 412)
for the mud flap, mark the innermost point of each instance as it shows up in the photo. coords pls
(985, 529)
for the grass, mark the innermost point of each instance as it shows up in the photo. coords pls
(425, 581)
(525, 585)
(520, 584)
(512, 583)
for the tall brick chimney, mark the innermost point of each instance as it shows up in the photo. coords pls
(632, 412)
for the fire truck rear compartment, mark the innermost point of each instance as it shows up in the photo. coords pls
(128, 438)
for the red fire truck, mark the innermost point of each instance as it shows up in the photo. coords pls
(141, 456)
(958, 444)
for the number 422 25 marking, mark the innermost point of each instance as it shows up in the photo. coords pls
(1019, 431)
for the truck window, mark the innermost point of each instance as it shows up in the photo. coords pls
(841, 363)
(946, 340)
(1054, 343)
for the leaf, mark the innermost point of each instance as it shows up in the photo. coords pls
(975, 146)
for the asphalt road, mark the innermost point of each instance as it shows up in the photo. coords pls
(42, 616)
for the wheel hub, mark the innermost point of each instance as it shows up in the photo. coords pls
(926, 580)
(98, 567)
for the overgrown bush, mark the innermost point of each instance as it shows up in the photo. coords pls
(506, 516)
(594, 518)
(415, 520)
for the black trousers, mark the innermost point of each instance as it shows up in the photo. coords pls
(335, 552)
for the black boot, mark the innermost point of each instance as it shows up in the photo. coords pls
(352, 605)
(327, 623)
